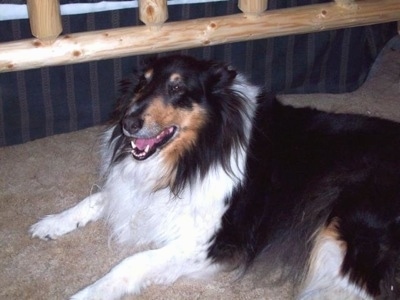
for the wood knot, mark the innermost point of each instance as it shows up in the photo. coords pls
(150, 11)
(212, 25)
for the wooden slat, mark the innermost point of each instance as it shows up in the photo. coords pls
(346, 3)
(45, 19)
(153, 13)
(105, 44)
(253, 7)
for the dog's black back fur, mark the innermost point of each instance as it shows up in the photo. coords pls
(307, 168)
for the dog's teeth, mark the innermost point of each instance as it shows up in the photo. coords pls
(133, 144)
(147, 149)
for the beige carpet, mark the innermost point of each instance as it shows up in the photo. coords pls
(51, 174)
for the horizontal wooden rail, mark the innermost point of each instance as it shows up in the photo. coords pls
(120, 42)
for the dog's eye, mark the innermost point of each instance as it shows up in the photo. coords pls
(176, 88)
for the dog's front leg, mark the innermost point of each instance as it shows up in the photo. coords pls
(160, 266)
(53, 226)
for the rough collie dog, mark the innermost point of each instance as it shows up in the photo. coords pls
(211, 172)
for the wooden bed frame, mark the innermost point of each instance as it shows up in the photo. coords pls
(48, 48)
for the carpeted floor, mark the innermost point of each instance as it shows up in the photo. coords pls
(51, 174)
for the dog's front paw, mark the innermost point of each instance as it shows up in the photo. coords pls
(51, 227)
(121, 280)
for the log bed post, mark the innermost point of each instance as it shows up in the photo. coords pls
(352, 4)
(253, 8)
(153, 13)
(45, 19)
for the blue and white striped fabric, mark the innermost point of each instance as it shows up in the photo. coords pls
(47, 101)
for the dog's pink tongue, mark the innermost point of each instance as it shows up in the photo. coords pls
(143, 143)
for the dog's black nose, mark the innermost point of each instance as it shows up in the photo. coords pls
(132, 124)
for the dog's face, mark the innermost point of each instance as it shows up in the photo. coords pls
(169, 105)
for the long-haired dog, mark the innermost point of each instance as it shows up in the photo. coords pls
(210, 172)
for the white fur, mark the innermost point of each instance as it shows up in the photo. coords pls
(248, 90)
(178, 229)
(52, 226)
(324, 280)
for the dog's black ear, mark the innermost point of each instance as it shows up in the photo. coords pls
(220, 76)
(148, 60)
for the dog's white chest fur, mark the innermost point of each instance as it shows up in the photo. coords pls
(140, 215)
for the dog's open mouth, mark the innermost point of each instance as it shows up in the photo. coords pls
(143, 148)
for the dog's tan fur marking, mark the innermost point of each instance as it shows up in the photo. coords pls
(175, 77)
(159, 116)
(189, 123)
(148, 74)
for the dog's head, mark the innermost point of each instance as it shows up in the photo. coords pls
(192, 115)
(169, 105)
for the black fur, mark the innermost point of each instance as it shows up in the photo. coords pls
(306, 169)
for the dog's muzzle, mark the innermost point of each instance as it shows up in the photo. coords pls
(144, 142)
